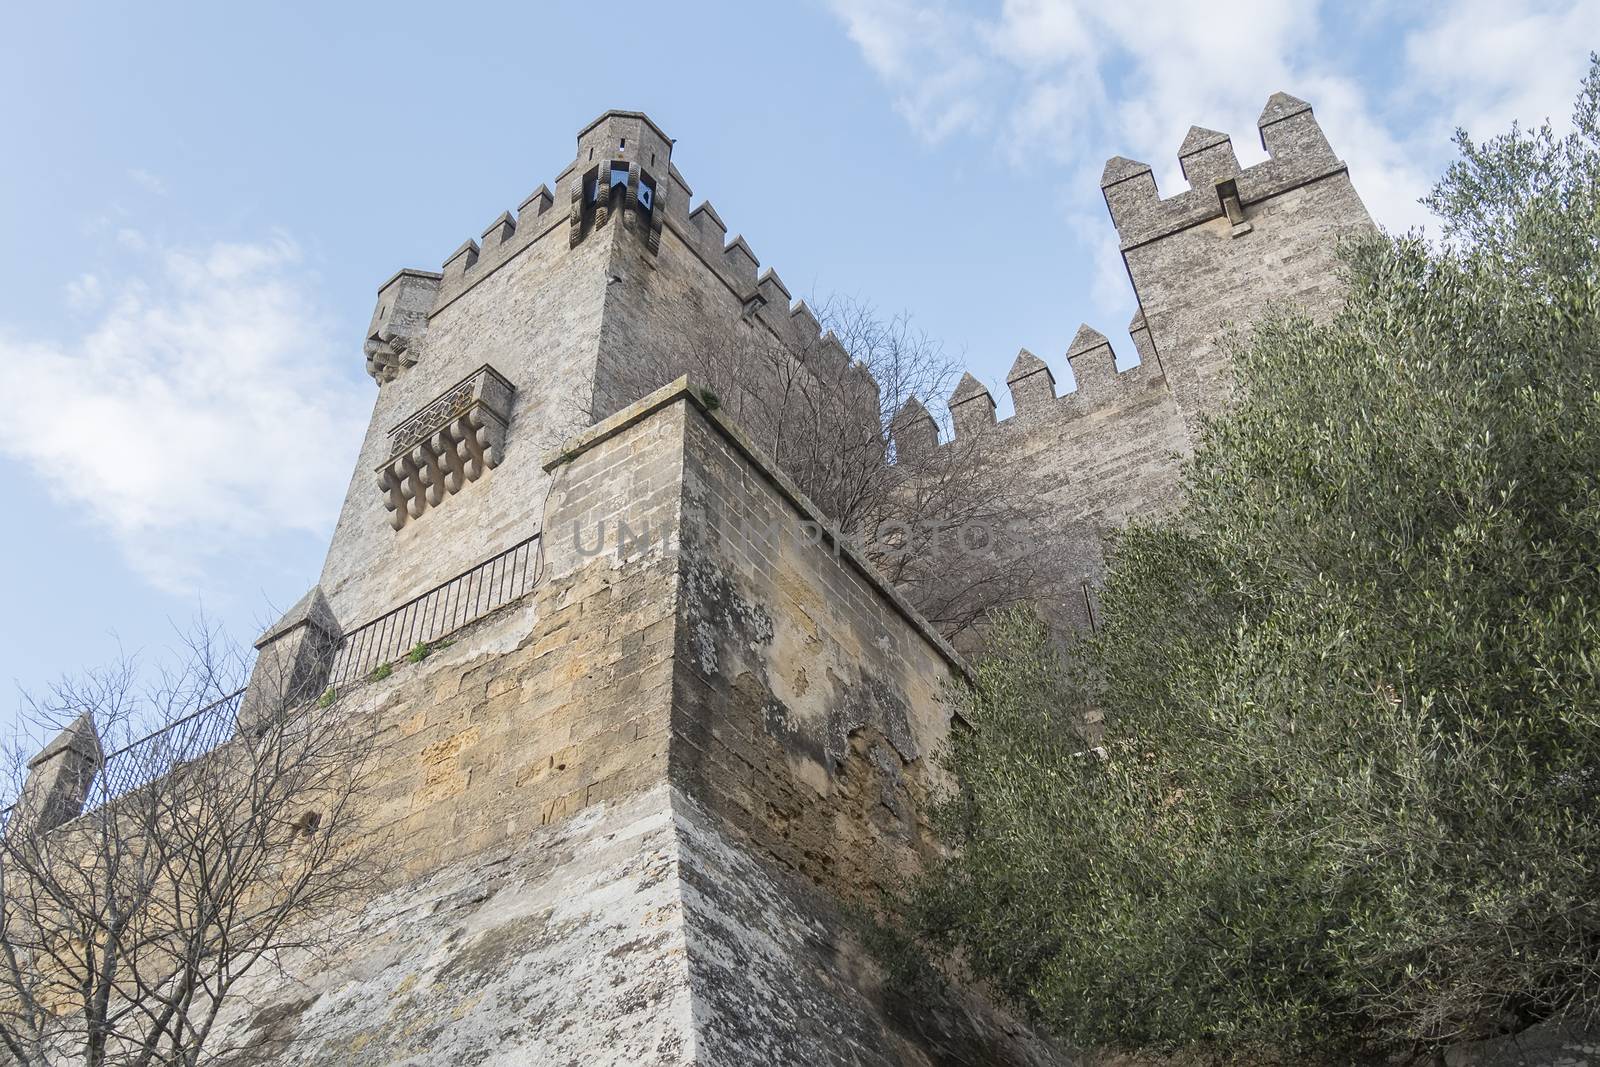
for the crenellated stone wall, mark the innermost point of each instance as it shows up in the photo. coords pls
(631, 811)
(1211, 259)
(1203, 262)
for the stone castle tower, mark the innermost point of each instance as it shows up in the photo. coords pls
(654, 755)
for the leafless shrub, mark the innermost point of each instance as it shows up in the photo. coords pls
(140, 881)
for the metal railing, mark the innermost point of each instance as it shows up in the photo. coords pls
(430, 617)
(438, 613)
(141, 762)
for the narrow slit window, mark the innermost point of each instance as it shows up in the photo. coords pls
(1228, 194)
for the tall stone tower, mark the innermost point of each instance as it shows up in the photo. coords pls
(558, 316)
(1203, 261)
(650, 728)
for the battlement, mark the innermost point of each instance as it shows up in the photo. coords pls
(632, 151)
(1101, 388)
(624, 135)
(634, 315)
(1299, 154)
(623, 142)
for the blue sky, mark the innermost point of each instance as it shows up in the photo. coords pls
(199, 201)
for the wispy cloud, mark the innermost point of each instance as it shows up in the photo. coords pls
(85, 292)
(150, 183)
(1072, 82)
(199, 411)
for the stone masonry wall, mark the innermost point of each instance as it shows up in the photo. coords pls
(535, 319)
(626, 811)
(1092, 458)
(807, 700)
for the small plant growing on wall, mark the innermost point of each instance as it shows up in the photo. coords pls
(380, 672)
(328, 696)
(419, 652)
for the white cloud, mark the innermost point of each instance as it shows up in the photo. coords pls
(151, 183)
(84, 292)
(200, 408)
(1488, 64)
(1077, 82)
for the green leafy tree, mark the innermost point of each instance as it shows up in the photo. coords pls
(1344, 805)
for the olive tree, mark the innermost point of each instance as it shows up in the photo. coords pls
(1346, 805)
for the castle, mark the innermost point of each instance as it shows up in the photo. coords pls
(656, 755)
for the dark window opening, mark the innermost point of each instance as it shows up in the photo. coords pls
(1228, 194)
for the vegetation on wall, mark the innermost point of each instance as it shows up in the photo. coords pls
(1345, 804)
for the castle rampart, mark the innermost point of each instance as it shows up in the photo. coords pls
(629, 806)
(1203, 262)
(630, 803)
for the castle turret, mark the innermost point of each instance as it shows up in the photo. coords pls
(1211, 258)
(602, 286)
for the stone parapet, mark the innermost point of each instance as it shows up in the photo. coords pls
(1299, 153)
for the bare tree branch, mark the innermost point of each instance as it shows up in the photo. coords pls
(200, 850)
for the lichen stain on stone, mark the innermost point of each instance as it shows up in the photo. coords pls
(723, 625)
(775, 718)
(481, 959)
(710, 591)
(705, 647)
